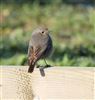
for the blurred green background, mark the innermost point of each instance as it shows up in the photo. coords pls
(72, 23)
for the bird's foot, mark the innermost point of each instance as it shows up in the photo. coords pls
(38, 66)
(46, 66)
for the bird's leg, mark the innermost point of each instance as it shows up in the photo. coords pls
(46, 63)
(40, 66)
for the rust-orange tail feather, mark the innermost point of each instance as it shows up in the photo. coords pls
(31, 64)
(31, 68)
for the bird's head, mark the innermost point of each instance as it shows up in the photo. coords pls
(43, 31)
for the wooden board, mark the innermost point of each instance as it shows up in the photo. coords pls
(54, 83)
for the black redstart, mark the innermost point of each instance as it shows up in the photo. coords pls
(40, 46)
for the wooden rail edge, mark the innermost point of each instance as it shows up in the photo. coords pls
(54, 83)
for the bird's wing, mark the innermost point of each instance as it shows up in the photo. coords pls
(33, 56)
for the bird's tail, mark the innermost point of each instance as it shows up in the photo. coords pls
(31, 68)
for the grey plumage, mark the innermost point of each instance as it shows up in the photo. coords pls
(40, 46)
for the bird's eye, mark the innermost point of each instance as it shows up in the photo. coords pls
(42, 31)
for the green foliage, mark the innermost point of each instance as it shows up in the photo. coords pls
(17, 59)
(73, 33)
(44, 2)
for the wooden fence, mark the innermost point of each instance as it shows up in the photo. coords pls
(54, 83)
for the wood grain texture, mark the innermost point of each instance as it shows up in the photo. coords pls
(54, 83)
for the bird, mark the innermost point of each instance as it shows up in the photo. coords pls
(40, 46)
